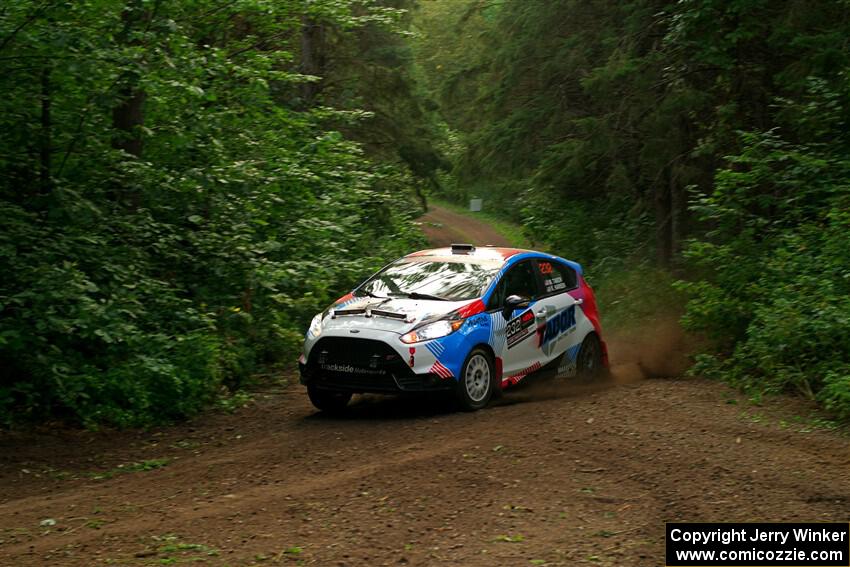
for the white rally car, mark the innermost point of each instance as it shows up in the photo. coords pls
(463, 319)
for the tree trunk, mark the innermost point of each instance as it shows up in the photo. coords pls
(678, 215)
(312, 58)
(663, 216)
(46, 136)
(128, 115)
(128, 118)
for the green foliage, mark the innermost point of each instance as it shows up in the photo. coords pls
(149, 465)
(775, 285)
(141, 279)
(384, 80)
(237, 400)
(572, 113)
(127, 468)
(605, 234)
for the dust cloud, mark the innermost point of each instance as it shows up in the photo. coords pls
(659, 349)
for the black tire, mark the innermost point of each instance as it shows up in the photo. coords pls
(329, 401)
(477, 381)
(589, 359)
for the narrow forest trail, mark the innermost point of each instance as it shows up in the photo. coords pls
(558, 476)
(444, 227)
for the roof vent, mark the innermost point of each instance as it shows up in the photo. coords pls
(462, 248)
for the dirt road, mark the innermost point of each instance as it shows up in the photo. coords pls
(444, 227)
(556, 475)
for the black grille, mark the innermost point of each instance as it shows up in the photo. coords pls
(363, 365)
(363, 353)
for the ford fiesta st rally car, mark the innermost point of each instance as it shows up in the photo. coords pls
(469, 320)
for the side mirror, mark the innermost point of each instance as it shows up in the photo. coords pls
(513, 302)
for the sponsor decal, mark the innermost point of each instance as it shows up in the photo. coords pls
(554, 283)
(475, 322)
(412, 361)
(552, 279)
(519, 328)
(567, 365)
(350, 369)
(566, 370)
(557, 325)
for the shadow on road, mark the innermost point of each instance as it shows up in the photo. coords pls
(374, 407)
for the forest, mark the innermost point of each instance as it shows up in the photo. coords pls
(184, 184)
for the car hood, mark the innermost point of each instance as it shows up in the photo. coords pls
(398, 315)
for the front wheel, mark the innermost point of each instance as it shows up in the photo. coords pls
(329, 401)
(589, 360)
(476, 383)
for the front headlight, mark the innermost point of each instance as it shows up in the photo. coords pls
(433, 330)
(315, 326)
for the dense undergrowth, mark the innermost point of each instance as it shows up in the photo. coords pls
(175, 204)
(774, 289)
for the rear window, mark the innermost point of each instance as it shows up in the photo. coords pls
(556, 276)
(444, 278)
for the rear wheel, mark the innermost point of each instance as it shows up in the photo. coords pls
(589, 360)
(329, 401)
(476, 383)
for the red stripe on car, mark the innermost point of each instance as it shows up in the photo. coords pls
(591, 311)
(471, 309)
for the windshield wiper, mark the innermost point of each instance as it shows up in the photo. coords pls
(417, 295)
(370, 294)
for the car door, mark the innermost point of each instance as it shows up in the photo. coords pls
(519, 351)
(556, 313)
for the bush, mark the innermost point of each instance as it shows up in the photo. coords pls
(136, 285)
(774, 280)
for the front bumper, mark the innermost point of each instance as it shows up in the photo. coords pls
(361, 365)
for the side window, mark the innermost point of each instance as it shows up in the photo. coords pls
(519, 280)
(556, 277)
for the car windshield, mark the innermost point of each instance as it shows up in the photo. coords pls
(446, 279)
